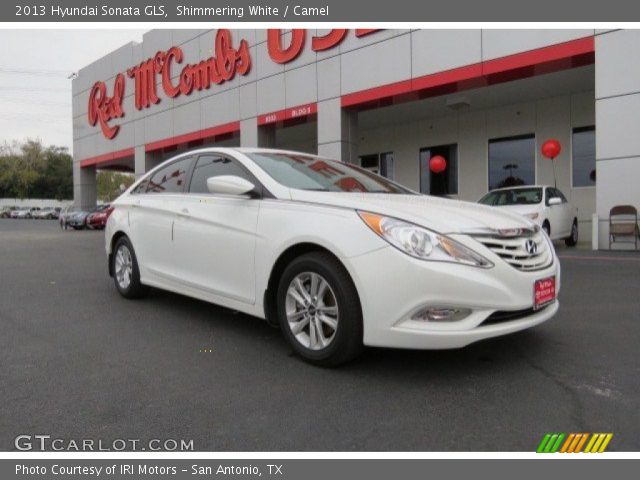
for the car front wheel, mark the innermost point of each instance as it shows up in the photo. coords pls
(319, 310)
(126, 273)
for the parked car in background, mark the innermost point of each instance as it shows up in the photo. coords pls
(544, 205)
(98, 219)
(65, 214)
(336, 255)
(5, 212)
(78, 221)
(21, 213)
(45, 213)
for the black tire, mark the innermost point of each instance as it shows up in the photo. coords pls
(547, 228)
(572, 240)
(346, 343)
(135, 289)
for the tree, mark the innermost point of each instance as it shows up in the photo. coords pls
(29, 170)
(111, 184)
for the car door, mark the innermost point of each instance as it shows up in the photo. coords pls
(153, 212)
(215, 234)
(567, 214)
(554, 214)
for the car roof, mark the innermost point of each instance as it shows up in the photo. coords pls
(242, 150)
(519, 187)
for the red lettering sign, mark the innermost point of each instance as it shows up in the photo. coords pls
(103, 108)
(222, 67)
(280, 54)
(330, 40)
(277, 52)
(216, 70)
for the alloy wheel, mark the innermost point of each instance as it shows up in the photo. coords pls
(123, 267)
(312, 310)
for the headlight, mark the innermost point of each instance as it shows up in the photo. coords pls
(532, 216)
(421, 243)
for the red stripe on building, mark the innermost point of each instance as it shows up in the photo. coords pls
(543, 60)
(193, 136)
(520, 65)
(107, 157)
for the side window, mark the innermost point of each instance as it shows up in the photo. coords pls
(554, 192)
(141, 188)
(561, 195)
(213, 166)
(170, 179)
(549, 195)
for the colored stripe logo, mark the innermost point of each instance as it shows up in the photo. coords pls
(574, 443)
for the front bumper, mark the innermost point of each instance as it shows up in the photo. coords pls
(393, 287)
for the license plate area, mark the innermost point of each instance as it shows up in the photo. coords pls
(544, 292)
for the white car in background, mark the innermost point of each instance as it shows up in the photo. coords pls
(544, 205)
(335, 255)
(21, 213)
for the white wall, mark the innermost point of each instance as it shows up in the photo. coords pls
(33, 202)
(618, 117)
(550, 117)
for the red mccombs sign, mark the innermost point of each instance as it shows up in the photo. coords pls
(227, 62)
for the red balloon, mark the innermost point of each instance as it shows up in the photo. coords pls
(551, 148)
(437, 164)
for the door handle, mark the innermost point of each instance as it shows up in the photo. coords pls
(184, 212)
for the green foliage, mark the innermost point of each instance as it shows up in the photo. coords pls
(111, 184)
(30, 170)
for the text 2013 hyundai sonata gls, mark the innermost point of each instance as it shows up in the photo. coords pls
(336, 256)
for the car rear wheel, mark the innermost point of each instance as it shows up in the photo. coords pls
(126, 273)
(572, 240)
(319, 310)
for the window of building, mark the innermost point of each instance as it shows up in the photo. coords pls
(213, 166)
(583, 154)
(443, 183)
(170, 179)
(380, 163)
(512, 161)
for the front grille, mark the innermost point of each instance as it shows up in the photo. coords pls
(514, 251)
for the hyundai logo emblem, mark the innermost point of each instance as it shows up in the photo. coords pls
(530, 246)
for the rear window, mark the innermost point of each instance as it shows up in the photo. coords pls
(514, 196)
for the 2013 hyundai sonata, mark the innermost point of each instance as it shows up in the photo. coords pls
(336, 256)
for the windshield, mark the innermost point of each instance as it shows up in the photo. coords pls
(306, 172)
(513, 196)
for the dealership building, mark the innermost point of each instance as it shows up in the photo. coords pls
(388, 100)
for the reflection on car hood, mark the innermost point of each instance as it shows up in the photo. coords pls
(439, 214)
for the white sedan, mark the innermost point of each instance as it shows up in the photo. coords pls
(335, 255)
(546, 206)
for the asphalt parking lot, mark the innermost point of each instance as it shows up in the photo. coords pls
(78, 361)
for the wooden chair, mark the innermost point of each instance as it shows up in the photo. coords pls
(623, 222)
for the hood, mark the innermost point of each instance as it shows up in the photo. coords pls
(521, 209)
(435, 213)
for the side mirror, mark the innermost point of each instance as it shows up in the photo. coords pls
(229, 185)
(555, 201)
